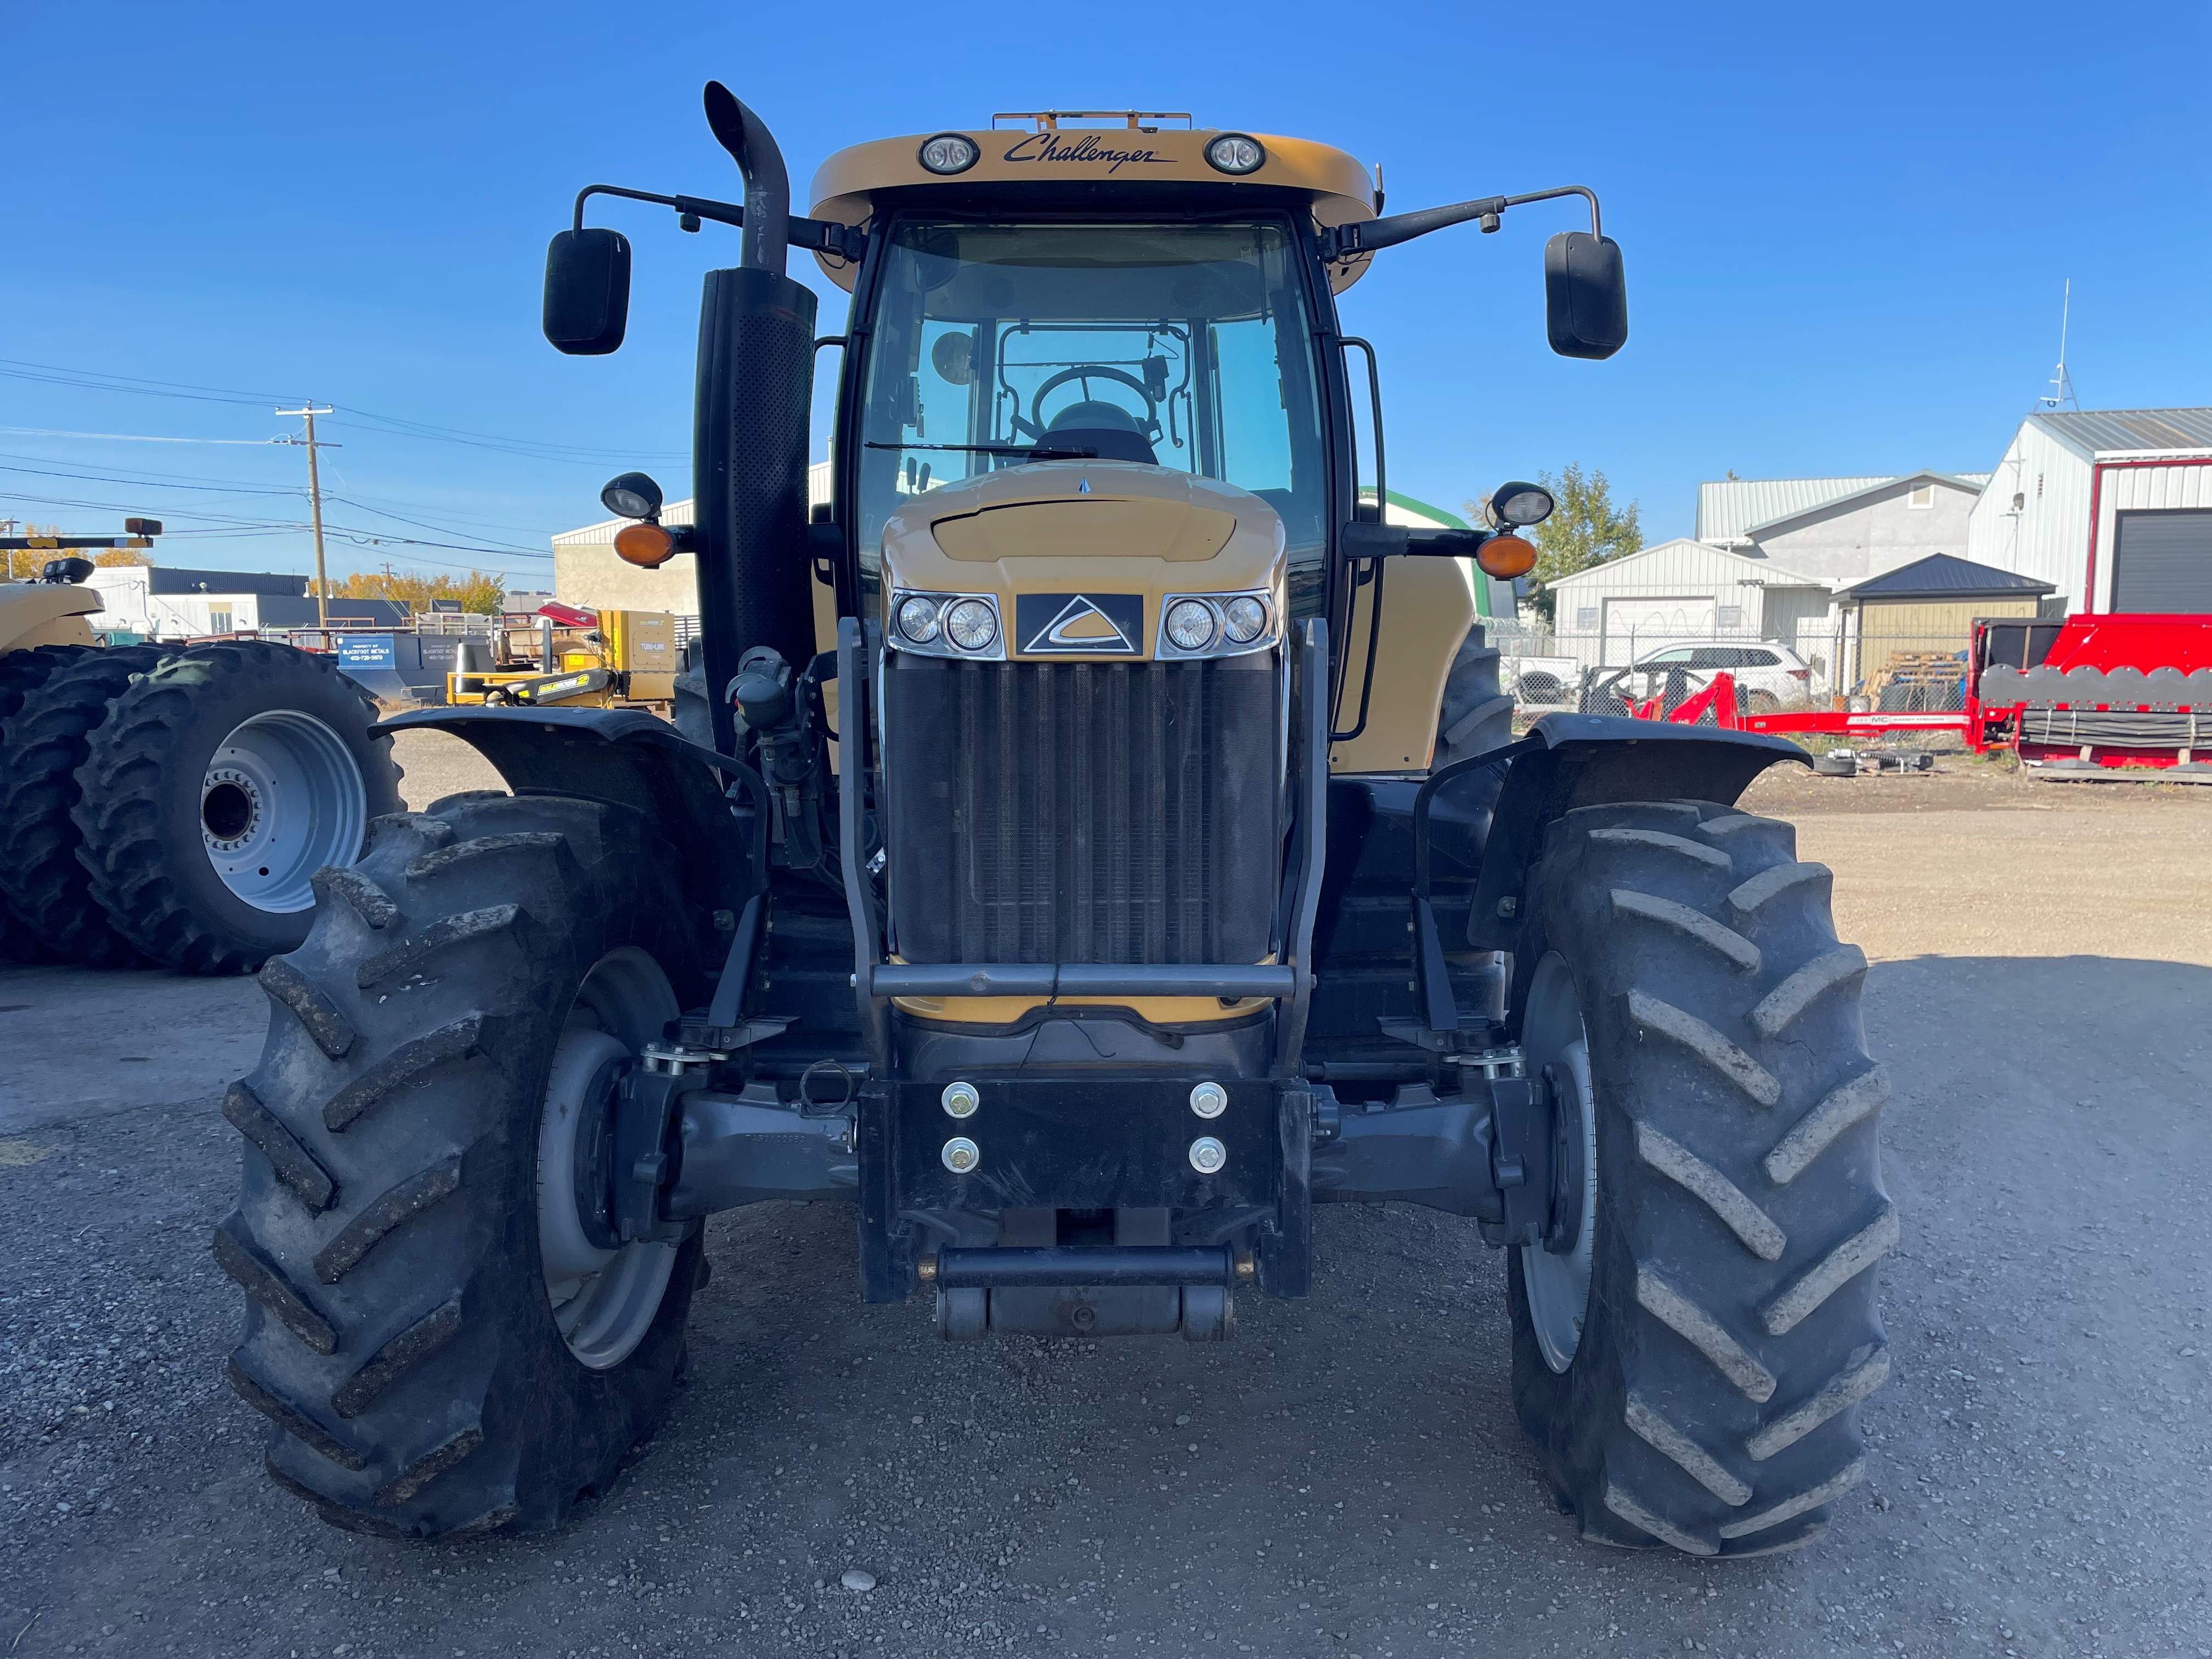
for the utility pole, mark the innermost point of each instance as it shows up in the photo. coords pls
(315, 512)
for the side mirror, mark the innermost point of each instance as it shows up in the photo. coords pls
(1585, 294)
(586, 292)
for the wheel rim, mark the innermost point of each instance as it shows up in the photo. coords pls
(1558, 1283)
(603, 1298)
(282, 798)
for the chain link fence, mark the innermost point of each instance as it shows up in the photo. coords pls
(1635, 645)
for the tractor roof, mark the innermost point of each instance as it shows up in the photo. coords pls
(1045, 167)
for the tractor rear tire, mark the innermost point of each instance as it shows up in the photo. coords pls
(45, 887)
(250, 739)
(1699, 1387)
(22, 673)
(690, 710)
(1476, 715)
(402, 1213)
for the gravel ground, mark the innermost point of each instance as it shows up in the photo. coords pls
(1344, 1479)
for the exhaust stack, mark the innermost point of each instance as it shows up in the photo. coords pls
(755, 388)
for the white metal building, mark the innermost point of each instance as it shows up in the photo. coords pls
(2113, 508)
(175, 602)
(1681, 591)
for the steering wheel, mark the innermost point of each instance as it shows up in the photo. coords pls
(1089, 372)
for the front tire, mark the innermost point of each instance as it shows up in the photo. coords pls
(440, 1356)
(1698, 1385)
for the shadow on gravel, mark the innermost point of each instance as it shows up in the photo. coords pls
(1345, 1479)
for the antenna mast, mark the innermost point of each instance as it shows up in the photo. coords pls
(2062, 384)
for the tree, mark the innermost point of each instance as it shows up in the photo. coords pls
(479, 590)
(1585, 529)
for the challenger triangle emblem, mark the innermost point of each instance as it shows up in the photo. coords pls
(1080, 626)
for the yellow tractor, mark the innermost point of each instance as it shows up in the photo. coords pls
(168, 805)
(581, 659)
(1101, 840)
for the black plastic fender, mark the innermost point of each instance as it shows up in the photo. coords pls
(1571, 760)
(627, 758)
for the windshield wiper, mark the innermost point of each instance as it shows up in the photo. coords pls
(1034, 452)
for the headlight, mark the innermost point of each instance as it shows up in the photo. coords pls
(964, 625)
(1519, 506)
(917, 620)
(971, 624)
(1190, 624)
(948, 152)
(1244, 619)
(1236, 152)
(1215, 625)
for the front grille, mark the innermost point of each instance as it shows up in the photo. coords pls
(1095, 812)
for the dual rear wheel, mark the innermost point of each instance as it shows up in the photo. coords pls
(170, 806)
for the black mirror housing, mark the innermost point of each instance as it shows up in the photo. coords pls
(586, 292)
(1585, 294)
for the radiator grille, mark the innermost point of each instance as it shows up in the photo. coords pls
(1096, 812)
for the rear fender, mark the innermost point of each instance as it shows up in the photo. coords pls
(627, 758)
(1571, 760)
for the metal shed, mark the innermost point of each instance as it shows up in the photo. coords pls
(1915, 621)
(2113, 508)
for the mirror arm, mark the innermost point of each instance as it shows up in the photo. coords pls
(1367, 235)
(1365, 540)
(820, 236)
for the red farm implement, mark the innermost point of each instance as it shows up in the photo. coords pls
(2090, 696)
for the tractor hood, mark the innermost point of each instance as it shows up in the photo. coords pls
(1070, 537)
(46, 613)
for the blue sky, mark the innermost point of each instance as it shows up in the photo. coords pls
(1845, 231)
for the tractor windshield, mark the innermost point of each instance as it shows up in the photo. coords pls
(1188, 346)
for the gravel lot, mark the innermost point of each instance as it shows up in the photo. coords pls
(1346, 1479)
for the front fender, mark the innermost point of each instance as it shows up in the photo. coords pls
(627, 758)
(1569, 761)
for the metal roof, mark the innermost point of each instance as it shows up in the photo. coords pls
(1972, 482)
(1729, 509)
(1718, 564)
(2127, 431)
(1944, 576)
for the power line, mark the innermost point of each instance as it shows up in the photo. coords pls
(390, 425)
(158, 480)
(136, 379)
(131, 437)
(358, 535)
(218, 488)
(423, 524)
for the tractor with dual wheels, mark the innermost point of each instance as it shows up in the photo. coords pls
(1095, 840)
(169, 805)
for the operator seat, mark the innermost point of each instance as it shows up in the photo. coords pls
(1107, 427)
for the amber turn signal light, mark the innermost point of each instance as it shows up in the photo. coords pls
(644, 545)
(1503, 557)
